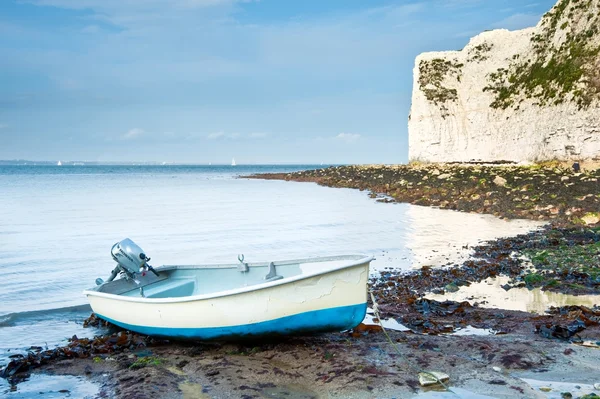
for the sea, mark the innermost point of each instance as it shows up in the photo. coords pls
(58, 224)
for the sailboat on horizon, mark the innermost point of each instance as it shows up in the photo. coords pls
(233, 162)
(59, 163)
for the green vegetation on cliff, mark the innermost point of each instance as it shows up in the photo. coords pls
(566, 62)
(431, 77)
(480, 52)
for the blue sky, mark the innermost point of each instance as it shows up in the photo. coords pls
(269, 81)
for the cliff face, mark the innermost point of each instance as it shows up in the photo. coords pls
(527, 95)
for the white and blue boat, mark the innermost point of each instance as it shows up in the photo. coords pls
(233, 301)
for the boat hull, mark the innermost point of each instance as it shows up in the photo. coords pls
(334, 301)
(334, 319)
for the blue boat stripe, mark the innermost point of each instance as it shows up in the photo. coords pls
(332, 319)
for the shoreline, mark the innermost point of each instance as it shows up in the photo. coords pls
(550, 193)
(362, 363)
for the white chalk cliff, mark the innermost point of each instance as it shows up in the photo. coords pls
(528, 95)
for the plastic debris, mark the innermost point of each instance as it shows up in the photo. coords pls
(432, 378)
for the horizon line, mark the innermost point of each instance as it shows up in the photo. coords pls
(158, 163)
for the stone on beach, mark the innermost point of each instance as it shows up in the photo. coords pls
(500, 181)
(591, 218)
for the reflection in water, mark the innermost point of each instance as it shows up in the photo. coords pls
(190, 390)
(436, 237)
(456, 393)
(490, 294)
(46, 386)
(558, 387)
(390, 324)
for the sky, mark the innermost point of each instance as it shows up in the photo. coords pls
(198, 81)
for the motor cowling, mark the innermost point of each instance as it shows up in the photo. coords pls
(129, 256)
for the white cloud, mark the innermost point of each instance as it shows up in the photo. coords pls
(467, 34)
(127, 4)
(215, 136)
(235, 136)
(142, 15)
(348, 137)
(518, 21)
(223, 135)
(460, 3)
(258, 135)
(133, 133)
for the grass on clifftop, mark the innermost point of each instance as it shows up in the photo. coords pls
(570, 72)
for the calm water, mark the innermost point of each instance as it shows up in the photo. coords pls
(57, 225)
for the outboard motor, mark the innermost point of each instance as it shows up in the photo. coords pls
(129, 256)
(130, 259)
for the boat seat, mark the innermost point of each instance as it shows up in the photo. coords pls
(172, 289)
(122, 286)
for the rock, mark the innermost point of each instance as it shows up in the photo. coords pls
(590, 218)
(444, 176)
(597, 386)
(496, 369)
(564, 178)
(566, 395)
(500, 181)
(545, 389)
(88, 370)
(182, 364)
(451, 287)
(432, 378)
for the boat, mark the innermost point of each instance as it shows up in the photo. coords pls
(232, 301)
(233, 162)
(59, 163)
